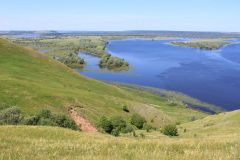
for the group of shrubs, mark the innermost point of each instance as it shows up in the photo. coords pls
(117, 124)
(72, 60)
(115, 63)
(113, 126)
(170, 130)
(14, 116)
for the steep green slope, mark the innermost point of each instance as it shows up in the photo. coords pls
(33, 81)
(215, 125)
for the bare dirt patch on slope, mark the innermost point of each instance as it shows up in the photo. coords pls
(81, 122)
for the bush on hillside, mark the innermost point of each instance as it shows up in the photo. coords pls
(11, 116)
(47, 118)
(115, 132)
(127, 129)
(30, 120)
(46, 122)
(105, 124)
(115, 125)
(44, 113)
(118, 122)
(137, 121)
(65, 122)
(170, 130)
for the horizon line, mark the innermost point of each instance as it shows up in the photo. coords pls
(55, 30)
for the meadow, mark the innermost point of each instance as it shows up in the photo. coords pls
(214, 137)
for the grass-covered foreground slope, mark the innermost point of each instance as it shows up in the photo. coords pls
(33, 81)
(220, 140)
(214, 137)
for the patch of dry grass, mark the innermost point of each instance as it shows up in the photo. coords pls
(22, 142)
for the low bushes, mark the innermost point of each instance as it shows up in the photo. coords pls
(13, 116)
(137, 121)
(170, 130)
(114, 126)
(117, 124)
(105, 124)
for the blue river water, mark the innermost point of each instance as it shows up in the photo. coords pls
(210, 76)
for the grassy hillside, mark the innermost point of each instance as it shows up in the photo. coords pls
(214, 137)
(33, 81)
(21, 142)
(215, 125)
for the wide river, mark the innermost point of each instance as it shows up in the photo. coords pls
(210, 76)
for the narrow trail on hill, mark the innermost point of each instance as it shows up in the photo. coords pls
(81, 122)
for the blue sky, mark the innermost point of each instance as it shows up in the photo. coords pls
(117, 15)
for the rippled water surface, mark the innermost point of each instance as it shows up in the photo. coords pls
(210, 76)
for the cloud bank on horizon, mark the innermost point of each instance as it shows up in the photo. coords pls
(111, 15)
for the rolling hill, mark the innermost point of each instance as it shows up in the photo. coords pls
(32, 81)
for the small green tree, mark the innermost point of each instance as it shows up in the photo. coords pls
(170, 130)
(137, 121)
